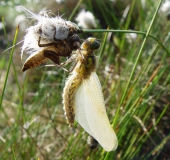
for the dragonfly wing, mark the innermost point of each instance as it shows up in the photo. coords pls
(91, 114)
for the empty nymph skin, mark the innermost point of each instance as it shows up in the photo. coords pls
(53, 52)
(48, 33)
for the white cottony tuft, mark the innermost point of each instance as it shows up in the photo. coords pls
(86, 20)
(20, 19)
(131, 37)
(50, 29)
(30, 42)
(59, 1)
(165, 9)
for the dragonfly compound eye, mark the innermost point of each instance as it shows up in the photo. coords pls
(90, 44)
(94, 45)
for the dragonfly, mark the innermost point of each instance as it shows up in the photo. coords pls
(83, 99)
(49, 38)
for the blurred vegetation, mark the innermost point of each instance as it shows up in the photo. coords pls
(134, 73)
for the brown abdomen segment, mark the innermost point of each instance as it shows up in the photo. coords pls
(69, 90)
(34, 61)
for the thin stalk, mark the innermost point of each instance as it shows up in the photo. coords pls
(102, 47)
(13, 152)
(3, 22)
(146, 34)
(9, 65)
(129, 16)
(134, 67)
(137, 59)
(75, 9)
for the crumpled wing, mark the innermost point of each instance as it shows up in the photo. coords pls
(90, 112)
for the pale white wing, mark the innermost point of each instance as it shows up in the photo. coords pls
(91, 114)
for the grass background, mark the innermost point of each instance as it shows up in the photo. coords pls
(134, 76)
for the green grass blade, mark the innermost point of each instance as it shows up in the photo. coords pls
(9, 65)
(146, 34)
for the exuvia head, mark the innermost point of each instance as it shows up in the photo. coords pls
(75, 41)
